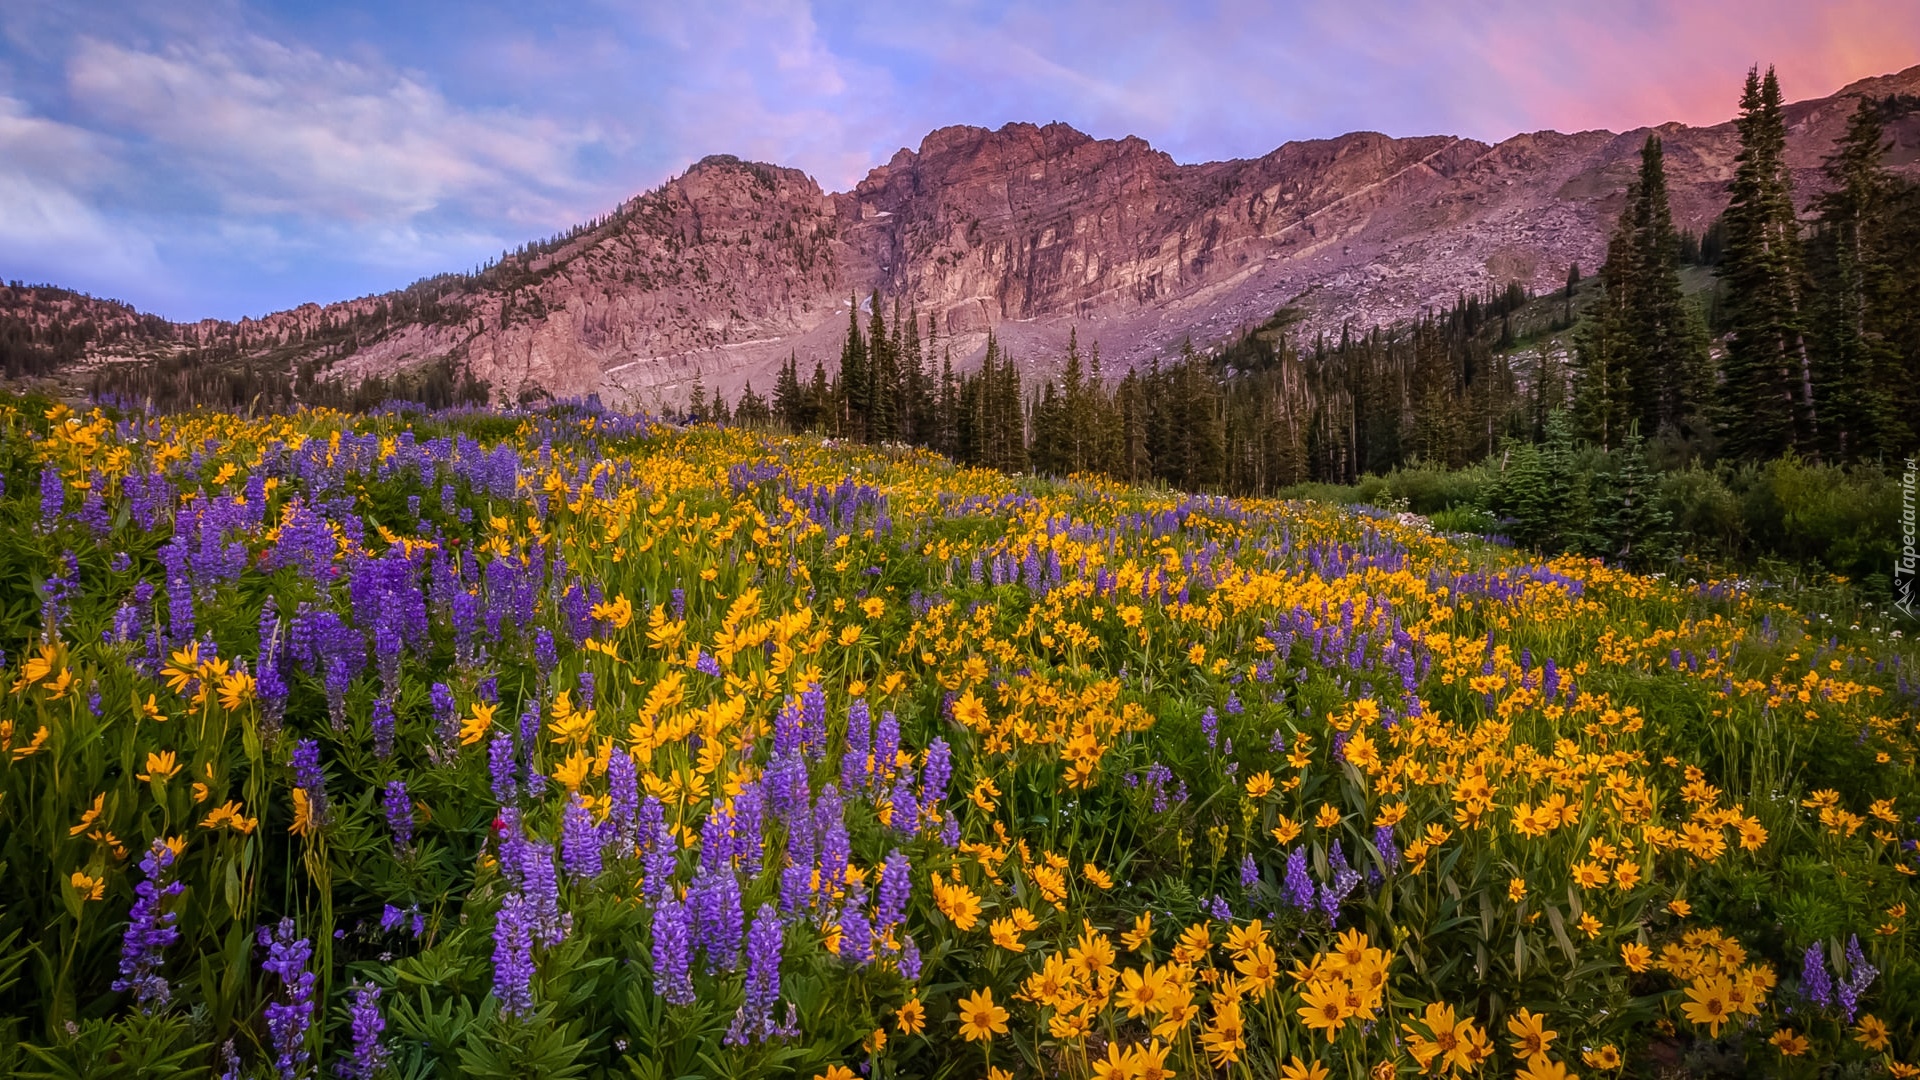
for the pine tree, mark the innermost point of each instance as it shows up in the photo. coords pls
(881, 420)
(854, 381)
(787, 396)
(1669, 342)
(1632, 528)
(1849, 264)
(1766, 405)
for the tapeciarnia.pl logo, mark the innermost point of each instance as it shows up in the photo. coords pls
(1904, 567)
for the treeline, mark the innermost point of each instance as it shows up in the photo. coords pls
(1259, 416)
(1809, 343)
(219, 378)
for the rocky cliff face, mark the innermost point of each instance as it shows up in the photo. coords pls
(1026, 231)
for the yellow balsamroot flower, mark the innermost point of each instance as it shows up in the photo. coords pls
(151, 711)
(1709, 1003)
(1150, 1061)
(230, 816)
(1589, 925)
(1225, 1035)
(911, 1018)
(1295, 1069)
(1636, 956)
(1140, 935)
(302, 813)
(475, 726)
(1099, 878)
(1517, 889)
(1006, 935)
(183, 667)
(1530, 1036)
(618, 611)
(1455, 1044)
(957, 902)
(969, 711)
(1870, 1033)
(1286, 832)
(1589, 875)
(236, 689)
(1606, 1057)
(90, 888)
(1680, 908)
(160, 766)
(980, 1018)
(1024, 921)
(1543, 1069)
(1259, 785)
(1790, 1042)
(1324, 1007)
(88, 817)
(1092, 953)
(835, 1072)
(1328, 817)
(1143, 990)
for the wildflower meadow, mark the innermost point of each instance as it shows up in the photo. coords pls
(560, 742)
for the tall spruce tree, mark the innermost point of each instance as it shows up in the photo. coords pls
(1848, 261)
(1766, 402)
(854, 381)
(1669, 359)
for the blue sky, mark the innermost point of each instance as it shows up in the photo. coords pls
(226, 158)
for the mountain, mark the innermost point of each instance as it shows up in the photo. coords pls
(1025, 231)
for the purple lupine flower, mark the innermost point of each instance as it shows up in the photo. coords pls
(749, 824)
(672, 953)
(886, 748)
(395, 918)
(679, 603)
(754, 1022)
(856, 765)
(713, 902)
(1249, 872)
(229, 1061)
(149, 931)
(1860, 974)
(660, 850)
(909, 959)
(369, 1054)
(545, 654)
(1277, 744)
(1220, 909)
(835, 847)
(500, 766)
(934, 778)
(399, 808)
(446, 721)
(623, 800)
(536, 782)
(53, 497)
(1234, 708)
(289, 1018)
(716, 842)
(580, 840)
(1210, 727)
(382, 729)
(856, 933)
(1814, 979)
(896, 887)
(706, 663)
(308, 775)
(1334, 893)
(1298, 881)
(813, 721)
(513, 955)
(1389, 850)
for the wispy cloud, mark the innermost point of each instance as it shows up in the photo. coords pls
(230, 156)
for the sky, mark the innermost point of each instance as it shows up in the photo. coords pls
(224, 158)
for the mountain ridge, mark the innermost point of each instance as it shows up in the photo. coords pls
(1026, 230)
